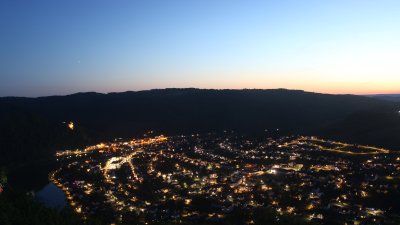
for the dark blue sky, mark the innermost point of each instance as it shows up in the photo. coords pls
(61, 47)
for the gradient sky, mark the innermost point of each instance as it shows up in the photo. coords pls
(62, 47)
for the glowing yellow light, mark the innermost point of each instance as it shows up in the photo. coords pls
(71, 125)
(364, 194)
(188, 201)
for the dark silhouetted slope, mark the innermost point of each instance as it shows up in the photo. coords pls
(174, 111)
(25, 135)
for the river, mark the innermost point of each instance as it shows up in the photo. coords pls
(52, 196)
(33, 177)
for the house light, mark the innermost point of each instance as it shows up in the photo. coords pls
(71, 125)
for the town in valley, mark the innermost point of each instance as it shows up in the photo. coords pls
(198, 178)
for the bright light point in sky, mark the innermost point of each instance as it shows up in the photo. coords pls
(323, 46)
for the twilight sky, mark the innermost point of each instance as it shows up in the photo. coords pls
(62, 47)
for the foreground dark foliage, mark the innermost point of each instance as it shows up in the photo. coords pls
(20, 208)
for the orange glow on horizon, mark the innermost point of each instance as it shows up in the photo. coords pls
(254, 80)
(324, 89)
(308, 81)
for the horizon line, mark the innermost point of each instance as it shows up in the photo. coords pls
(217, 89)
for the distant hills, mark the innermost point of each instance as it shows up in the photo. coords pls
(392, 98)
(34, 126)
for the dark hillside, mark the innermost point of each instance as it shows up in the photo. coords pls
(35, 124)
(25, 135)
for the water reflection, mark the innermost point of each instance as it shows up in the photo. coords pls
(52, 196)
